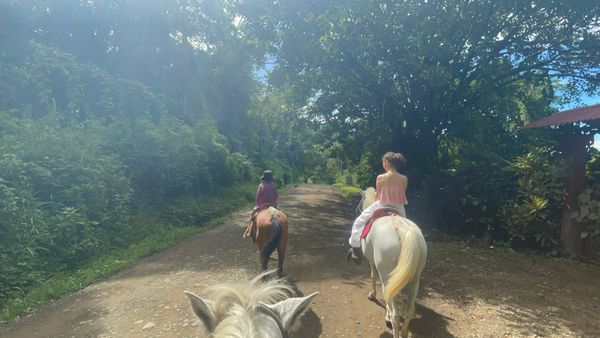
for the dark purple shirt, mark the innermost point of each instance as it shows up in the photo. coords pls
(266, 194)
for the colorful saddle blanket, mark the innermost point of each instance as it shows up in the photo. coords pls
(377, 215)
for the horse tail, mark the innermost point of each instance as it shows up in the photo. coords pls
(411, 258)
(274, 241)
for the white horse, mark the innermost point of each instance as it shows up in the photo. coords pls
(395, 248)
(254, 309)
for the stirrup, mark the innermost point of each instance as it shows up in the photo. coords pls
(354, 255)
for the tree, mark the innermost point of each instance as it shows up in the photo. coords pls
(417, 71)
(190, 53)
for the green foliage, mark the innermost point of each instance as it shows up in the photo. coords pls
(115, 110)
(51, 80)
(67, 188)
(347, 190)
(447, 84)
(104, 266)
(62, 202)
(202, 209)
(535, 212)
(284, 141)
(366, 169)
(170, 158)
(68, 180)
(381, 76)
(464, 197)
(112, 109)
(588, 215)
(151, 231)
(404, 75)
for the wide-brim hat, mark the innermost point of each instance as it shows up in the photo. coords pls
(267, 175)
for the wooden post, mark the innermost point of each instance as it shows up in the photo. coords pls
(576, 152)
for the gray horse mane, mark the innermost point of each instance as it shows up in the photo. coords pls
(235, 304)
(250, 293)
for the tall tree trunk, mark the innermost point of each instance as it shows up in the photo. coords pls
(570, 231)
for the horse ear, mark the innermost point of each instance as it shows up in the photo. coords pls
(291, 309)
(203, 309)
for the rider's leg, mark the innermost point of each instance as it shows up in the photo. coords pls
(250, 229)
(359, 224)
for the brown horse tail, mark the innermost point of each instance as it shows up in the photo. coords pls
(274, 241)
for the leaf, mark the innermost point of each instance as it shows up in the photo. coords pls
(585, 197)
(539, 202)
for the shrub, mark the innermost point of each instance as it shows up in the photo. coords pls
(534, 214)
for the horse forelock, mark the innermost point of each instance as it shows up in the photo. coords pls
(248, 295)
(234, 304)
(236, 322)
(255, 322)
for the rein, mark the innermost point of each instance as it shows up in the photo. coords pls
(359, 207)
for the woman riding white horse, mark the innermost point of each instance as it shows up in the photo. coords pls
(391, 193)
(396, 250)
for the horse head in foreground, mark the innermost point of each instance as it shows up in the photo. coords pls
(396, 250)
(255, 309)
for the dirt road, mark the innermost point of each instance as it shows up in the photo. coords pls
(465, 292)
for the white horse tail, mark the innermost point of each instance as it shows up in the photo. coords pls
(411, 258)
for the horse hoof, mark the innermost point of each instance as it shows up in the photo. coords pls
(372, 297)
(388, 324)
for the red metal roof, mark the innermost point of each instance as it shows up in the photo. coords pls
(567, 116)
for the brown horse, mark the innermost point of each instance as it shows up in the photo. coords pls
(269, 230)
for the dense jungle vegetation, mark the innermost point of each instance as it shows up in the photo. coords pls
(122, 121)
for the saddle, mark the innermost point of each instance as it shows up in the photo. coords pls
(377, 215)
(251, 229)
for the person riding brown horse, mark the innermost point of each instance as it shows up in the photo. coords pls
(268, 226)
(266, 196)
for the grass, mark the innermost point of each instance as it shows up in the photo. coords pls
(347, 190)
(156, 231)
(91, 272)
